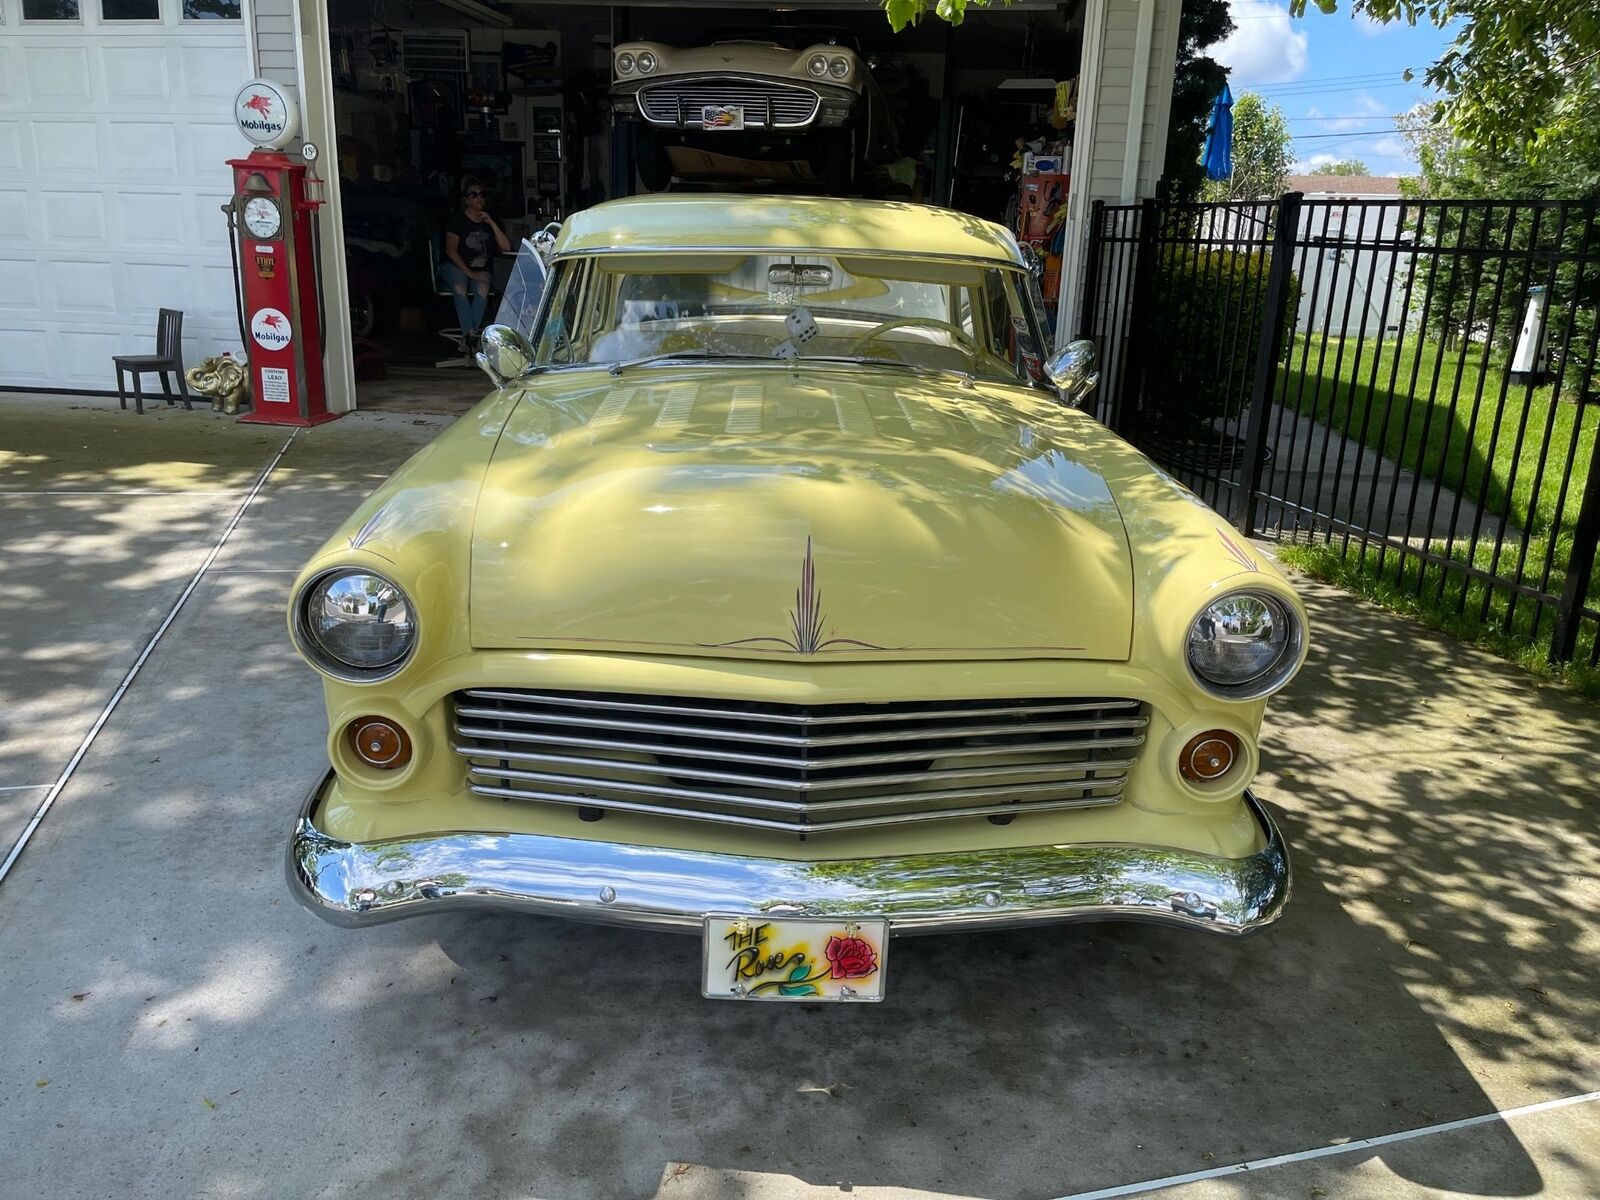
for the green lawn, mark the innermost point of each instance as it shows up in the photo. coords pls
(1370, 395)
(1416, 404)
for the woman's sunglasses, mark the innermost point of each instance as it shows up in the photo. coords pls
(470, 195)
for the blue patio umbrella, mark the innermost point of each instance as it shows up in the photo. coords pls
(1218, 157)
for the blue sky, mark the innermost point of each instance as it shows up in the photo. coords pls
(1337, 78)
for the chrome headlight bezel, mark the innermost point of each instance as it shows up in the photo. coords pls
(647, 62)
(323, 658)
(817, 66)
(1273, 677)
(625, 63)
(839, 67)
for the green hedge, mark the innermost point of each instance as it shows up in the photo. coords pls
(1209, 306)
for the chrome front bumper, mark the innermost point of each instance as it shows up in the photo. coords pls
(674, 890)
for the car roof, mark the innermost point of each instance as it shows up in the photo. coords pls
(761, 224)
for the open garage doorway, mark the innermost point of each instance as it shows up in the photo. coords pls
(549, 108)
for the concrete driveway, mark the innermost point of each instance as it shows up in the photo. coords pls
(174, 1025)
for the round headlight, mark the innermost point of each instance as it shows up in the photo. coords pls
(817, 65)
(647, 62)
(1244, 645)
(839, 68)
(624, 63)
(356, 623)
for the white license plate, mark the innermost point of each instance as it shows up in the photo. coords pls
(722, 116)
(810, 959)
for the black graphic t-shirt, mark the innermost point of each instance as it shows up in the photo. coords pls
(477, 240)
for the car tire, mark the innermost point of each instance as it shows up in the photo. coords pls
(363, 314)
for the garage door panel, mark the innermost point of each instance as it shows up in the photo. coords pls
(19, 284)
(135, 73)
(213, 74)
(58, 75)
(10, 149)
(80, 289)
(148, 287)
(16, 224)
(212, 146)
(67, 148)
(141, 149)
(215, 300)
(83, 355)
(210, 227)
(8, 75)
(74, 217)
(146, 220)
(26, 354)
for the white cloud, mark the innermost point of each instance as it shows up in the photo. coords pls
(1264, 47)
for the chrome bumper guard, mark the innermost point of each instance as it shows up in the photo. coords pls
(673, 890)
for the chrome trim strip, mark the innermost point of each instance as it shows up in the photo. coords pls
(851, 760)
(599, 783)
(612, 704)
(1108, 766)
(666, 889)
(802, 743)
(774, 825)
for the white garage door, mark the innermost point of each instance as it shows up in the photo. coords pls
(113, 138)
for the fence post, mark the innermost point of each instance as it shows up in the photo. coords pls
(1269, 348)
(1125, 415)
(1091, 270)
(1580, 566)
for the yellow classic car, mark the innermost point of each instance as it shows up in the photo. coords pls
(780, 594)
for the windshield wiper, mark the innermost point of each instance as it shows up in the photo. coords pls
(617, 368)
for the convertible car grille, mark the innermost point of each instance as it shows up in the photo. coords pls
(766, 106)
(800, 769)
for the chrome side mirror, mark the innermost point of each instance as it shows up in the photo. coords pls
(1074, 371)
(1032, 260)
(504, 354)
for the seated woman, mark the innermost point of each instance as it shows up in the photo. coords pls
(470, 238)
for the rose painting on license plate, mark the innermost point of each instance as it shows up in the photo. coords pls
(794, 958)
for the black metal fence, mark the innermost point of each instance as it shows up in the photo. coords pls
(1410, 383)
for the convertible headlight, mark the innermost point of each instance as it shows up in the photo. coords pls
(624, 63)
(817, 66)
(839, 68)
(1244, 645)
(647, 62)
(355, 624)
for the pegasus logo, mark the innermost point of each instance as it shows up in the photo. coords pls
(260, 104)
(272, 320)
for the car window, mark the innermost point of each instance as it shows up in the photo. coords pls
(934, 314)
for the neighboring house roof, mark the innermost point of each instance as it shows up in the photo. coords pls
(777, 223)
(1359, 186)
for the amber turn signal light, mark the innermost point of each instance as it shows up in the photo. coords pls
(379, 742)
(1208, 756)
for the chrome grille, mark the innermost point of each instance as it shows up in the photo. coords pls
(801, 769)
(766, 106)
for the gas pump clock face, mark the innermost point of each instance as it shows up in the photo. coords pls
(261, 217)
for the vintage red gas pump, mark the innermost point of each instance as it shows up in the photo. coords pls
(273, 220)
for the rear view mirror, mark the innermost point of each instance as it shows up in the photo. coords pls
(1074, 371)
(504, 354)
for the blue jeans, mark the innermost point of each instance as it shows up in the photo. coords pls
(470, 296)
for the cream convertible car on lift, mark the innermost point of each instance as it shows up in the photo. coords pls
(770, 597)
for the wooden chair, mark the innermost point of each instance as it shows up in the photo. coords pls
(168, 357)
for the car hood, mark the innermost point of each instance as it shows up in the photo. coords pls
(839, 514)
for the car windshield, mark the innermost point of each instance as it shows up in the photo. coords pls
(929, 314)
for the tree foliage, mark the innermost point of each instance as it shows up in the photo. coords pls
(1345, 166)
(1520, 75)
(1261, 154)
(1196, 82)
(910, 12)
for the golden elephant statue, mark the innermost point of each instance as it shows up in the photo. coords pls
(224, 380)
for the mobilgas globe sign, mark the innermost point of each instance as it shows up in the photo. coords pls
(266, 114)
(270, 328)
